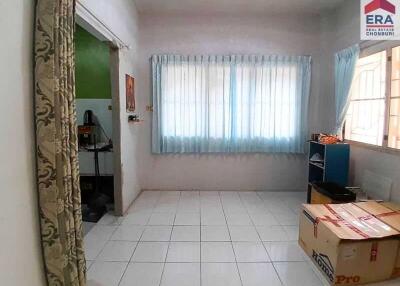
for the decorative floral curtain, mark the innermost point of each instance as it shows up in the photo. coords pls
(56, 147)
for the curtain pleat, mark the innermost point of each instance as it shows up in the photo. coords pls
(239, 104)
(56, 144)
(345, 66)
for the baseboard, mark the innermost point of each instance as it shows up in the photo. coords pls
(222, 190)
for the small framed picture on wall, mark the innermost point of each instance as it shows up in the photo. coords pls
(130, 94)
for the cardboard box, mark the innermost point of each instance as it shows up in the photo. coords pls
(389, 213)
(349, 245)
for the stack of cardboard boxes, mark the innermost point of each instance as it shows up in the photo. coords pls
(352, 243)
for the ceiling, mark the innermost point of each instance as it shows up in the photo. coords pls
(235, 7)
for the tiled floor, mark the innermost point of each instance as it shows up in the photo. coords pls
(203, 239)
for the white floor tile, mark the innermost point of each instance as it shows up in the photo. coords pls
(257, 209)
(162, 219)
(208, 210)
(150, 193)
(184, 252)
(277, 208)
(272, 233)
(187, 218)
(136, 218)
(110, 219)
(292, 232)
(234, 208)
(185, 233)
(238, 219)
(220, 274)
(188, 206)
(263, 219)
(250, 252)
(243, 233)
(150, 252)
(212, 218)
(287, 219)
(181, 274)
(258, 274)
(229, 194)
(118, 251)
(142, 274)
(170, 193)
(215, 233)
(93, 247)
(284, 251)
(217, 252)
(166, 207)
(140, 207)
(321, 276)
(216, 218)
(209, 193)
(87, 227)
(106, 273)
(157, 233)
(296, 274)
(89, 264)
(96, 239)
(190, 194)
(128, 233)
(100, 232)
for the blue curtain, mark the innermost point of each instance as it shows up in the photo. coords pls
(230, 104)
(345, 64)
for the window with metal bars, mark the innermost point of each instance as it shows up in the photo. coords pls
(373, 116)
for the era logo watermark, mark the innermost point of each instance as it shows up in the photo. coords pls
(380, 19)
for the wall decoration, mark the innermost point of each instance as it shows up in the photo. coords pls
(130, 94)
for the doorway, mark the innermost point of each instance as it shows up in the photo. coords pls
(98, 113)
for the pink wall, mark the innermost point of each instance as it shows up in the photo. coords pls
(223, 35)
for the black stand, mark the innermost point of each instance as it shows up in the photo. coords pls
(97, 205)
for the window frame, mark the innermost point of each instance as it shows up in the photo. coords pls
(369, 48)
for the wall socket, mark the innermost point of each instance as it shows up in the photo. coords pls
(149, 108)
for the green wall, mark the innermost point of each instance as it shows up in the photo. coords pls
(92, 66)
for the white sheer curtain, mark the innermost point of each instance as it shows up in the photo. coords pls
(205, 104)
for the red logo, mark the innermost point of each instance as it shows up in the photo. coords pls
(380, 4)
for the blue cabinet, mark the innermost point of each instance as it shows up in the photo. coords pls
(328, 163)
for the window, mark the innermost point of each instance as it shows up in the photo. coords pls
(374, 111)
(230, 104)
(394, 111)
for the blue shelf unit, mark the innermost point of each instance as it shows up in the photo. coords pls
(334, 165)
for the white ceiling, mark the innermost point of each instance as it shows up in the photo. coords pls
(235, 7)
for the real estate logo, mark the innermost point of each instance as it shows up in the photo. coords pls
(380, 20)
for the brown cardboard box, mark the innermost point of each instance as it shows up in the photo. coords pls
(349, 245)
(389, 213)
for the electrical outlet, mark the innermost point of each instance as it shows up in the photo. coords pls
(110, 107)
(149, 108)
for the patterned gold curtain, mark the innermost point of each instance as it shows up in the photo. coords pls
(57, 150)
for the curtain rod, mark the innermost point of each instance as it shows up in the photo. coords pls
(120, 43)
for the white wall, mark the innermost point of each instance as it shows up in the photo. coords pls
(341, 30)
(224, 35)
(121, 17)
(20, 252)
